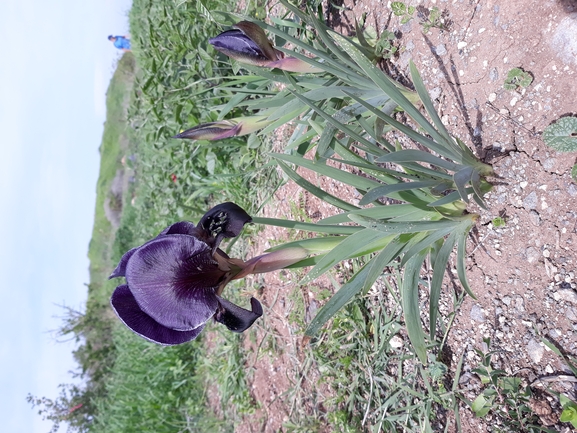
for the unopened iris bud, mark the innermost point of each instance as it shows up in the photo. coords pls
(247, 43)
(225, 128)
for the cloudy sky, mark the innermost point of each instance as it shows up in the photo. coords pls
(55, 68)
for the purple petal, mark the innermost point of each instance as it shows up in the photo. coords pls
(225, 220)
(235, 318)
(127, 309)
(180, 228)
(120, 270)
(234, 43)
(257, 35)
(173, 279)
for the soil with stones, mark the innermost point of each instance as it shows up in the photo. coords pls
(523, 273)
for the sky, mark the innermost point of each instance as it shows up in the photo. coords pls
(55, 69)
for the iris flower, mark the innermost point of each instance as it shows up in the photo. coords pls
(247, 43)
(174, 282)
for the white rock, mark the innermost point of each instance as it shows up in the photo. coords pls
(535, 350)
(567, 295)
(396, 342)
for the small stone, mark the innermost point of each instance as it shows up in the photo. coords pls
(435, 93)
(567, 295)
(519, 304)
(396, 342)
(461, 45)
(535, 350)
(548, 369)
(571, 314)
(493, 74)
(440, 50)
(534, 217)
(477, 313)
(523, 184)
(546, 253)
(492, 97)
(506, 300)
(532, 254)
(513, 102)
(530, 202)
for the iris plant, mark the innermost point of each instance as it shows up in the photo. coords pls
(246, 42)
(174, 282)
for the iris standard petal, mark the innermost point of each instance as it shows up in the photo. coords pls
(225, 220)
(127, 309)
(173, 279)
(180, 228)
(235, 318)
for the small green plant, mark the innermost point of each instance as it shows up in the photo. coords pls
(569, 413)
(433, 17)
(384, 48)
(400, 9)
(504, 396)
(562, 135)
(498, 222)
(517, 78)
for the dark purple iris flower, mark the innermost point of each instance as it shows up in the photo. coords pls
(174, 282)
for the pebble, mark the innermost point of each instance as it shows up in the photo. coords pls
(477, 313)
(492, 97)
(440, 50)
(461, 45)
(435, 93)
(534, 217)
(567, 295)
(493, 74)
(571, 314)
(535, 350)
(530, 202)
(396, 342)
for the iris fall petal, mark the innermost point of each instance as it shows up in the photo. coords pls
(127, 309)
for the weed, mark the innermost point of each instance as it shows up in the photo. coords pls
(517, 78)
(499, 222)
(562, 135)
(504, 396)
(400, 9)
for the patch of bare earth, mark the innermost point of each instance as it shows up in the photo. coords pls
(523, 274)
